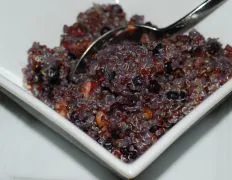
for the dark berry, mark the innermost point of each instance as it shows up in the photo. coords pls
(104, 30)
(37, 67)
(74, 116)
(111, 75)
(108, 144)
(182, 94)
(117, 9)
(72, 55)
(138, 80)
(168, 67)
(158, 49)
(213, 46)
(153, 129)
(115, 107)
(132, 155)
(173, 95)
(124, 151)
(115, 133)
(132, 100)
(100, 141)
(154, 86)
(81, 67)
(53, 74)
(82, 120)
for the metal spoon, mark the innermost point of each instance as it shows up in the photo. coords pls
(187, 21)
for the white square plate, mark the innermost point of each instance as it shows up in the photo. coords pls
(26, 21)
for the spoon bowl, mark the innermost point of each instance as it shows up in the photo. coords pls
(136, 30)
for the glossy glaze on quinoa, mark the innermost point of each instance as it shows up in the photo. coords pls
(128, 94)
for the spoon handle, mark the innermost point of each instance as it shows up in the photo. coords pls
(193, 17)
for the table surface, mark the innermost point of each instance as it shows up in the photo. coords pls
(31, 151)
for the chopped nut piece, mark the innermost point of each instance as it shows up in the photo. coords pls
(147, 113)
(61, 108)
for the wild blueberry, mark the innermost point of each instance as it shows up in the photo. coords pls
(111, 75)
(132, 155)
(132, 100)
(108, 144)
(153, 129)
(158, 49)
(138, 80)
(168, 67)
(182, 94)
(53, 74)
(172, 95)
(213, 46)
(154, 86)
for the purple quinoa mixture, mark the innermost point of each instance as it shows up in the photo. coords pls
(128, 94)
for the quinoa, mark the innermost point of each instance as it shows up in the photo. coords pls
(129, 93)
